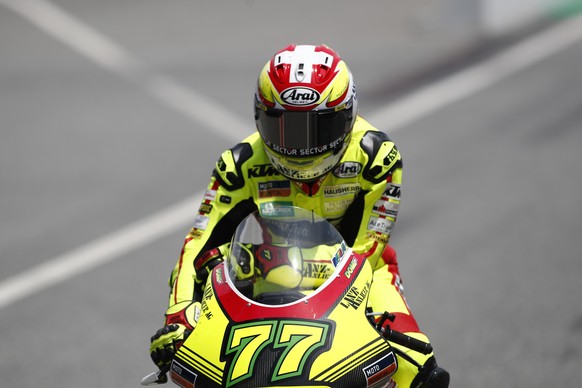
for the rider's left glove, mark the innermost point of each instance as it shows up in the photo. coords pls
(180, 321)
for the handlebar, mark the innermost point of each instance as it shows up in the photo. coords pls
(396, 336)
(408, 341)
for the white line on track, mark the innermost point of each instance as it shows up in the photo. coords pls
(100, 50)
(106, 53)
(98, 252)
(473, 79)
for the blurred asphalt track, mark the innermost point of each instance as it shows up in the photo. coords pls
(112, 114)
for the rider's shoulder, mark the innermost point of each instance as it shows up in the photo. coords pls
(367, 136)
(379, 151)
(229, 169)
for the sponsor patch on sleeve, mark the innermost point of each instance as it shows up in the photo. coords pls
(201, 222)
(393, 191)
(205, 208)
(381, 238)
(196, 234)
(382, 225)
(210, 195)
(386, 208)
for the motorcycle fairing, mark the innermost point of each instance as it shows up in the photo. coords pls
(321, 340)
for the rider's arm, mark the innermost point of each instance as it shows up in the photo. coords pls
(379, 201)
(225, 203)
(369, 221)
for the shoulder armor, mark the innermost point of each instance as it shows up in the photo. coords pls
(383, 156)
(228, 170)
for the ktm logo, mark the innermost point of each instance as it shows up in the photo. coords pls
(262, 170)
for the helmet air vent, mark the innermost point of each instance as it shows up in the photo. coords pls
(299, 73)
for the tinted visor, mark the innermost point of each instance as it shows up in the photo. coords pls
(303, 134)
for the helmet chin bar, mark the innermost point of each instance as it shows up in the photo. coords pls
(315, 171)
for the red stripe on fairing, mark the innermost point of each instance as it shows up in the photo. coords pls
(240, 309)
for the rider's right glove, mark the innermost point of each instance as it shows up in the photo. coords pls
(165, 344)
(180, 321)
(206, 262)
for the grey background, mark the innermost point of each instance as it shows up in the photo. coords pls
(488, 235)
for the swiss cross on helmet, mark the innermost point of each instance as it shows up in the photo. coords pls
(305, 109)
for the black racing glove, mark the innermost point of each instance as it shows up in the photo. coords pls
(166, 342)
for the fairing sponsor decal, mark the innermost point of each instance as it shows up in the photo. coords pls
(379, 372)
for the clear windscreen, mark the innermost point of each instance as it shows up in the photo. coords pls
(283, 253)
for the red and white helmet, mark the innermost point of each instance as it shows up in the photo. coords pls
(305, 109)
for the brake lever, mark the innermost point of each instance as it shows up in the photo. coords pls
(156, 378)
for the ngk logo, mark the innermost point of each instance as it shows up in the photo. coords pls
(347, 170)
(300, 96)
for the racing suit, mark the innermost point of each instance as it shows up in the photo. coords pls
(360, 197)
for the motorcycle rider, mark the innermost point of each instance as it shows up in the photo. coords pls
(311, 150)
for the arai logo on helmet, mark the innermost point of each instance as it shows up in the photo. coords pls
(300, 96)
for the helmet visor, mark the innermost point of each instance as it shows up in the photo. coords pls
(303, 134)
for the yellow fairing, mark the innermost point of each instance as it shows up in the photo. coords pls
(202, 351)
(332, 345)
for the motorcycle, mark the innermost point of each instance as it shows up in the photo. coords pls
(288, 308)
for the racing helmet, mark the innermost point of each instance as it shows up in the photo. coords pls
(305, 109)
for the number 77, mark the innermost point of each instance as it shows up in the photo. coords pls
(298, 339)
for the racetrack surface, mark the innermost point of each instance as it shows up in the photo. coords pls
(102, 132)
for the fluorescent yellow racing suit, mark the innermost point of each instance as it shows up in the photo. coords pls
(360, 197)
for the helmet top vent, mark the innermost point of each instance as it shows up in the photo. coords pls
(299, 73)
